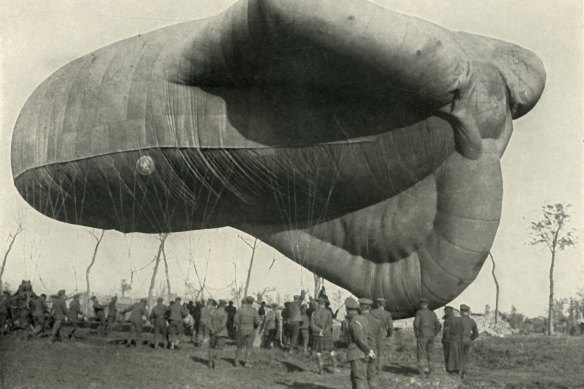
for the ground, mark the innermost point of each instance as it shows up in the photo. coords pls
(92, 362)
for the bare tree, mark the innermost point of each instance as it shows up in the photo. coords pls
(496, 288)
(162, 239)
(168, 290)
(98, 240)
(253, 248)
(11, 239)
(551, 231)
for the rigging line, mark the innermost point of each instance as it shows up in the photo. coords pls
(83, 195)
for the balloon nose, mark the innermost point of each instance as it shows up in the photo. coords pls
(524, 74)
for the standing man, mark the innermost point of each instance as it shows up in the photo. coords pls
(4, 310)
(158, 320)
(73, 314)
(99, 311)
(463, 330)
(205, 321)
(373, 339)
(218, 329)
(176, 329)
(246, 321)
(59, 313)
(448, 322)
(231, 310)
(321, 324)
(39, 313)
(426, 327)
(296, 319)
(111, 314)
(270, 327)
(358, 350)
(138, 311)
(386, 325)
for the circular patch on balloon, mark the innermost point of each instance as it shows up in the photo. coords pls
(145, 165)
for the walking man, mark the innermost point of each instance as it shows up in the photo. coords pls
(218, 329)
(138, 312)
(73, 314)
(358, 350)
(59, 313)
(426, 327)
(246, 321)
(158, 320)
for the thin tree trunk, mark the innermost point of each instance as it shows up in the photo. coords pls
(157, 262)
(18, 231)
(253, 249)
(88, 270)
(496, 289)
(169, 292)
(317, 284)
(550, 328)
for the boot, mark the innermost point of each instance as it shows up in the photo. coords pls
(334, 362)
(236, 359)
(320, 365)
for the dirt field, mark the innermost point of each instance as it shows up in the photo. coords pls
(514, 362)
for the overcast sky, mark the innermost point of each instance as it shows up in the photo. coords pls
(544, 161)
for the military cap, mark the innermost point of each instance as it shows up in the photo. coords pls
(159, 300)
(143, 300)
(448, 308)
(222, 302)
(381, 300)
(76, 295)
(464, 307)
(249, 299)
(296, 297)
(424, 300)
(365, 301)
(177, 299)
(93, 298)
(350, 303)
(274, 306)
(61, 292)
(321, 300)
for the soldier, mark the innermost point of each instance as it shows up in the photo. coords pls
(158, 320)
(321, 324)
(231, 310)
(296, 319)
(176, 315)
(60, 312)
(270, 329)
(39, 314)
(99, 311)
(204, 333)
(138, 311)
(358, 350)
(426, 327)
(73, 314)
(218, 329)
(462, 331)
(374, 337)
(111, 314)
(386, 324)
(246, 320)
(305, 328)
(448, 318)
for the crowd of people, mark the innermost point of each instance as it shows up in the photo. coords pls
(297, 326)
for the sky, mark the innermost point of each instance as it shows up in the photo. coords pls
(544, 162)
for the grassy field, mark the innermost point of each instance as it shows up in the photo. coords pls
(92, 362)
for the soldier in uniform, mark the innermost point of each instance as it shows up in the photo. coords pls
(462, 331)
(231, 310)
(426, 327)
(321, 324)
(204, 332)
(176, 315)
(99, 311)
(358, 350)
(448, 318)
(270, 329)
(73, 314)
(295, 319)
(386, 324)
(374, 337)
(4, 310)
(60, 312)
(158, 320)
(39, 313)
(246, 320)
(138, 312)
(218, 330)
(111, 314)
